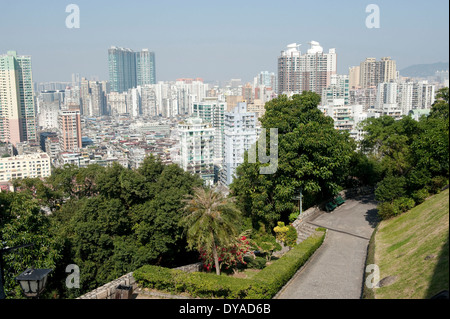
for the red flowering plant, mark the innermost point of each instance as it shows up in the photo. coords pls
(229, 256)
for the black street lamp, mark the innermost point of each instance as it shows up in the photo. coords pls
(32, 281)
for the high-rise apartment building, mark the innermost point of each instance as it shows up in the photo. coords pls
(369, 73)
(345, 117)
(266, 78)
(257, 107)
(373, 72)
(122, 69)
(48, 115)
(354, 74)
(247, 93)
(305, 72)
(128, 69)
(17, 111)
(93, 97)
(415, 95)
(386, 94)
(338, 89)
(240, 135)
(232, 101)
(167, 99)
(212, 111)
(69, 123)
(289, 78)
(388, 69)
(149, 105)
(117, 103)
(197, 148)
(366, 97)
(145, 67)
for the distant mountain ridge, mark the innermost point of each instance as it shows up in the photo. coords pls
(424, 70)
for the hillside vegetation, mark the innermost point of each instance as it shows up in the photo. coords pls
(413, 249)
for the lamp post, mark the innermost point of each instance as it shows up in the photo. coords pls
(32, 281)
(299, 198)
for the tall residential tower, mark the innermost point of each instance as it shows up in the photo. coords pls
(373, 72)
(305, 72)
(197, 148)
(17, 111)
(128, 69)
(240, 134)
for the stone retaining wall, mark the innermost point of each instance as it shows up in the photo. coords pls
(191, 268)
(108, 291)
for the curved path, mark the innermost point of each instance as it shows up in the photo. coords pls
(336, 270)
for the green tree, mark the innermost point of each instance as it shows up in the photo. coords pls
(95, 224)
(364, 170)
(390, 188)
(440, 108)
(291, 236)
(211, 220)
(412, 155)
(267, 244)
(23, 222)
(131, 219)
(122, 183)
(311, 154)
(156, 221)
(281, 230)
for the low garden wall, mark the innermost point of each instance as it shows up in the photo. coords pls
(108, 291)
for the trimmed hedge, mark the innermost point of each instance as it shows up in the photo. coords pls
(264, 285)
(281, 271)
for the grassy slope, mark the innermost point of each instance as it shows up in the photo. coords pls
(402, 245)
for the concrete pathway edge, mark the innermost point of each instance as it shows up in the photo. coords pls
(300, 270)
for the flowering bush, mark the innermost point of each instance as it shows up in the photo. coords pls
(281, 231)
(229, 256)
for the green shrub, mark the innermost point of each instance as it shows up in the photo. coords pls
(291, 236)
(390, 188)
(264, 285)
(267, 244)
(437, 183)
(293, 216)
(387, 210)
(255, 263)
(404, 204)
(400, 205)
(420, 195)
(278, 274)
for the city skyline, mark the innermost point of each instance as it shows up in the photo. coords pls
(217, 41)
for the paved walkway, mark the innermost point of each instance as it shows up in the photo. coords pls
(336, 270)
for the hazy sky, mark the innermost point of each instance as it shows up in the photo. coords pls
(219, 40)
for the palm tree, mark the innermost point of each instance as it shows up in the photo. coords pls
(210, 220)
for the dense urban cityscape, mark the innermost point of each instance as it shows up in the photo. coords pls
(216, 157)
(131, 115)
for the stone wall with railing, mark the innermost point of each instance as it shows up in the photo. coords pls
(108, 291)
(111, 291)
